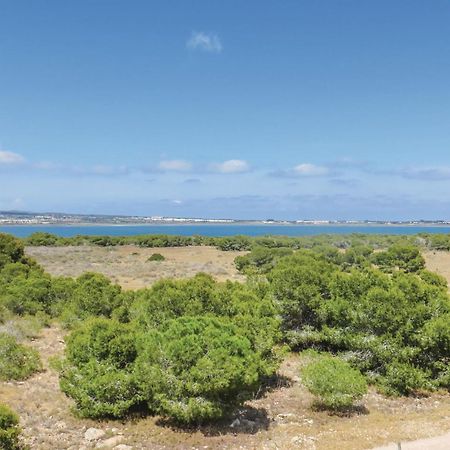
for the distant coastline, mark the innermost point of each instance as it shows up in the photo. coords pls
(19, 218)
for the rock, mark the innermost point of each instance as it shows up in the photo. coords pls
(123, 447)
(249, 424)
(60, 425)
(109, 443)
(93, 434)
(235, 423)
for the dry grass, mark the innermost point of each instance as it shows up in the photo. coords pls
(128, 265)
(438, 262)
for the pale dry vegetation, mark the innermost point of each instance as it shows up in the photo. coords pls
(129, 266)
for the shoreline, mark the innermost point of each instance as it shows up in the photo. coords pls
(243, 223)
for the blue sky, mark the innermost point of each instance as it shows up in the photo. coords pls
(258, 109)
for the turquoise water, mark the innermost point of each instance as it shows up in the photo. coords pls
(219, 229)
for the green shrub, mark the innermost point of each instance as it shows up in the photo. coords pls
(93, 295)
(404, 379)
(11, 249)
(260, 259)
(9, 429)
(400, 256)
(333, 381)
(97, 371)
(41, 238)
(156, 257)
(17, 362)
(198, 369)
(100, 389)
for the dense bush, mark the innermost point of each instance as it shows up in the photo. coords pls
(387, 323)
(17, 361)
(335, 383)
(198, 368)
(400, 256)
(98, 370)
(11, 250)
(193, 369)
(92, 295)
(156, 257)
(260, 259)
(9, 429)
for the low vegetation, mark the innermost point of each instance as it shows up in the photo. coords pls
(17, 361)
(156, 257)
(336, 384)
(194, 350)
(9, 429)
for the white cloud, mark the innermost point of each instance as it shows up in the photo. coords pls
(231, 166)
(208, 42)
(310, 170)
(176, 165)
(10, 158)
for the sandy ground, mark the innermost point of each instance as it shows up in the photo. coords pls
(435, 443)
(128, 265)
(438, 262)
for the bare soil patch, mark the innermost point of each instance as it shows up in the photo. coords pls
(438, 262)
(129, 265)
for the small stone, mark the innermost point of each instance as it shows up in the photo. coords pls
(111, 442)
(235, 423)
(92, 434)
(60, 425)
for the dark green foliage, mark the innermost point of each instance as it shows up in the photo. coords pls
(404, 379)
(300, 283)
(92, 295)
(198, 368)
(388, 324)
(400, 256)
(41, 238)
(98, 371)
(17, 361)
(260, 259)
(156, 257)
(11, 250)
(336, 384)
(9, 429)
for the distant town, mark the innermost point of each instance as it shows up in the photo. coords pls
(30, 218)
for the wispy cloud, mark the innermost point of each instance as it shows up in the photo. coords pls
(207, 42)
(231, 166)
(425, 173)
(10, 158)
(75, 170)
(175, 165)
(303, 170)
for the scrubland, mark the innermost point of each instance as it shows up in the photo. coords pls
(380, 311)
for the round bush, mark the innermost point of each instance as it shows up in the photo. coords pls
(156, 257)
(333, 381)
(97, 372)
(17, 361)
(9, 429)
(197, 369)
